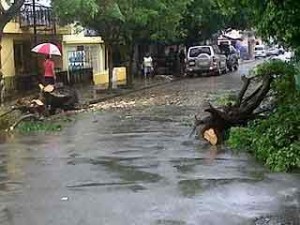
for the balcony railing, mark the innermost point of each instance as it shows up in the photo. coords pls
(43, 16)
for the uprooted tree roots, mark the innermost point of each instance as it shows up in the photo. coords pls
(214, 127)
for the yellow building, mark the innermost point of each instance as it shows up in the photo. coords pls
(79, 53)
(18, 62)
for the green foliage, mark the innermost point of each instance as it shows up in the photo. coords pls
(275, 67)
(236, 13)
(284, 81)
(33, 126)
(226, 99)
(68, 11)
(278, 19)
(275, 140)
(121, 20)
(240, 138)
(154, 20)
(200, 20)
(204, 18)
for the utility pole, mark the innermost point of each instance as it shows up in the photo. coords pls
(34, 23)
(35, 35)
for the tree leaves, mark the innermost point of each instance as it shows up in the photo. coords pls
(277, 18)
(203, 18)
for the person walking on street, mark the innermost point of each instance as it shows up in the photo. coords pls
(49, 73)
(148, 65)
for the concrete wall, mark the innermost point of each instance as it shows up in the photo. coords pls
(119, 77)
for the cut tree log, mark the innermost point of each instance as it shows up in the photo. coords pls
(211, 136)
(65, 98)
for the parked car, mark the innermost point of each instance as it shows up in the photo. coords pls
(273, 51)
(260, 51)
(286, 57)
(205, 59)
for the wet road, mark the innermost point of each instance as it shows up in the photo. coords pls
(138, 166)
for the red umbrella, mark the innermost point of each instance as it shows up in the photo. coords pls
(46, 49)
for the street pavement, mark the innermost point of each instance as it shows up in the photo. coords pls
(131, 161)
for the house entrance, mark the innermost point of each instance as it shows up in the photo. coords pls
(24, 62)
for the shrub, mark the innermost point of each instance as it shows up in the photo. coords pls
(274, 141)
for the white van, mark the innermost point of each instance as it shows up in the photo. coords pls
(260, 51)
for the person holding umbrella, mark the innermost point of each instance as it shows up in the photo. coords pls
(49, 72)
(48, 49)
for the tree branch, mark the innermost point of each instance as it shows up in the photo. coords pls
(25, 117)
(244, 102)
(258, 98)
(1, 9)
(246, 84)
(8, 15)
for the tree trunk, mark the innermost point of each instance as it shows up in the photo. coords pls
(1, 35)
(130, 66)
(2, 84)
(110, 65)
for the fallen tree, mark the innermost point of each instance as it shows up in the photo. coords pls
(51, 99)
(247, 106)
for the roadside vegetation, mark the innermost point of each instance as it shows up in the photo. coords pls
(274, 140)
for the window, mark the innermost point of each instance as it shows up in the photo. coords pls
(24, 63)
(80, 57)
(259, 48)
(196, 51)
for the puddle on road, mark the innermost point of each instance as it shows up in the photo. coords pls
(127, 173)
